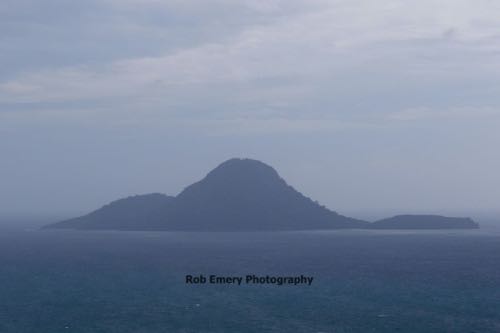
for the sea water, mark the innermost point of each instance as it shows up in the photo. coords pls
(363, 281)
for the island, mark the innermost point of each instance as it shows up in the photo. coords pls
(425, 222)
(238, 195)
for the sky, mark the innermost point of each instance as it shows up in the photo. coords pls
(369, 107)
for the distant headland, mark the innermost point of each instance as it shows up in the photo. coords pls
(239, 195)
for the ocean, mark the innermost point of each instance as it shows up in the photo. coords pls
(363, 281)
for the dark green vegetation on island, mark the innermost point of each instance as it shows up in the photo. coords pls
(238, 195)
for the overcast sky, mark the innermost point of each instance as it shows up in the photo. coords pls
(365, 106)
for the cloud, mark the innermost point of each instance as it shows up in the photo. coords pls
(427, 113)
(352, 62)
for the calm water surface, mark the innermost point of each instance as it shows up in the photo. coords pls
(365, 281)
